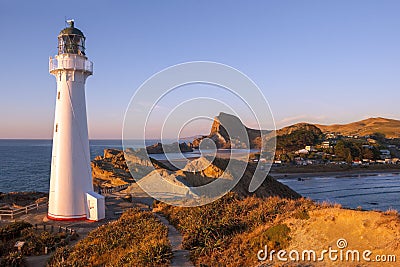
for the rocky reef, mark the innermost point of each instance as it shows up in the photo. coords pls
(160, 148)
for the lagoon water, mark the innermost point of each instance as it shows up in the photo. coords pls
(25, 166)
(380, 192)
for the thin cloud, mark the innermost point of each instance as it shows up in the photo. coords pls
(300, 118)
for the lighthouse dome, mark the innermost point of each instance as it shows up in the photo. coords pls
(71, 30)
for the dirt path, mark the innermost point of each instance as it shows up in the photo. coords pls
(180, 257)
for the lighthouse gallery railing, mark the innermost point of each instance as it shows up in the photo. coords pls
(70, 63)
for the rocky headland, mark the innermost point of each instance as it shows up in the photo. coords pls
(228, 131)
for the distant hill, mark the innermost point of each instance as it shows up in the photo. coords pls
(297, 136)
(299, 127)
(293, 136)
(389, 127)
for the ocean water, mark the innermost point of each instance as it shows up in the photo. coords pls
(371, 192)
(25, 164)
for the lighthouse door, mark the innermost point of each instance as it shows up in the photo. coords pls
(93, 209)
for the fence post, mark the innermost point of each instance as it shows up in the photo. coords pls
(26, 210)
(44, 227)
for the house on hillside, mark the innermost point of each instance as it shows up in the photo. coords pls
(303, 151)
(371, 141)
(330, 136)
(310, 149)
(367, 146)
(326, 144)
(385, 154)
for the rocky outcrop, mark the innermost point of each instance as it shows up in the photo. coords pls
(228, 131)
(239, 136)
(201, 171)
(15, 200)
(160, 148)
(112, 169)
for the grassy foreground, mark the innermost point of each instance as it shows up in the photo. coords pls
(135, 239)
(231, 230)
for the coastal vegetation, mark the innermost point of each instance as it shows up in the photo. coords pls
(35, 242)
(299, 138)
(232, 229)
(303, 147)
(137, 238)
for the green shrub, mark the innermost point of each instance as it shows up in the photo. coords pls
(13, 259)
(13, 230)
(302, 215)
(59, 257)
(277, 236)
(35, 241)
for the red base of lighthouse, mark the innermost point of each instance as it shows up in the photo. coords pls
(74, 219)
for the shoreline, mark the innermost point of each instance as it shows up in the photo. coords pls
(301, 173)
(337, 174)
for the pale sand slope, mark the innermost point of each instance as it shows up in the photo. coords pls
(363, 230)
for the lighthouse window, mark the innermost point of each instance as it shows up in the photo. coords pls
(57, 127)
(58, 95)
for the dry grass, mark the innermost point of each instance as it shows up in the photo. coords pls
(231, 230)
(366, 127)
(136, 239)
(391, 212)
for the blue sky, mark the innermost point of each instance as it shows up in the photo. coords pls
(316, 61)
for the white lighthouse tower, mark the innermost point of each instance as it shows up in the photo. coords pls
(71, 195)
